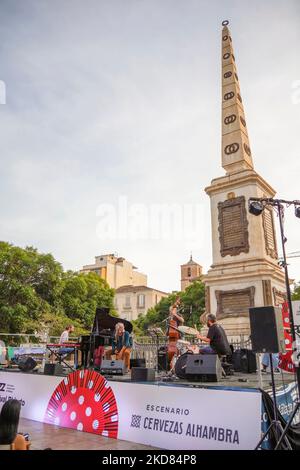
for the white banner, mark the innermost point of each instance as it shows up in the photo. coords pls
(165, 416)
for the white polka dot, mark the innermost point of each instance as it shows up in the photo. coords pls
(105, 433)
(88, 411)
(286, 319)
(81, 399)
(73, 390)
(287, 341)
(95, 424)
(79, 427)
(56, 421)
(106, 407)
(97, 397)
(90, 384)
(114, 418)
(73, 416)
(64, 406)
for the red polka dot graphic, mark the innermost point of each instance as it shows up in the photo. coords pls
(84, 401)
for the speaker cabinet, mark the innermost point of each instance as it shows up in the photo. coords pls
(203, 368)
(244, 360)
(53, 369)
(137, 363)
(111, 367)
(142, 374)
(267, 334)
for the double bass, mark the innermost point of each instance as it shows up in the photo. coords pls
(173, 333)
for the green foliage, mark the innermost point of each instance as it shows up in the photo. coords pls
(36, 294)
(296, 292)
(192, 299)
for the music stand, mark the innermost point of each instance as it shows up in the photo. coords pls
(156, 333)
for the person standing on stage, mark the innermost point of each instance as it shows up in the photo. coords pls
(173, 312)
(64, 339)
(121, 345)
(216, 338)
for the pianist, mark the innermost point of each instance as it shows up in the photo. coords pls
(121, 345)
(64, 350)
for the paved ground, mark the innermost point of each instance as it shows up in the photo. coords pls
(43, 436)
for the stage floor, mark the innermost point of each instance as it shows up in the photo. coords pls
(239, 379)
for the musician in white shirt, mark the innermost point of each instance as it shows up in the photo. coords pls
(64, 338)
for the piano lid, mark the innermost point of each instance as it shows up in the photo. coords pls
(104, 321)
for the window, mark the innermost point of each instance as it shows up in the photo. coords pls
(141, 300)
(189, 272)
(127, 301)
(156, 301)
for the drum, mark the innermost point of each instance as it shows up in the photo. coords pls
(181, 365)
(183, 346)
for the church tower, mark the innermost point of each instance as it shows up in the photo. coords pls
(190, 272)
(245, 269)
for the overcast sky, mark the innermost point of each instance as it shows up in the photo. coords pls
(121, 98)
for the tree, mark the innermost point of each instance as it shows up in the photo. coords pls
(296, 292)
(36, 294)
(192, 299)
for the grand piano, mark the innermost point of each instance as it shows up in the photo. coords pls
(101, 336)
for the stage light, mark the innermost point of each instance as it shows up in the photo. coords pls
(255, 207)
(297, 211)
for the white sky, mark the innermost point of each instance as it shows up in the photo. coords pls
(122, 98)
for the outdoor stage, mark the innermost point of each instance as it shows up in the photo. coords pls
(168, 415)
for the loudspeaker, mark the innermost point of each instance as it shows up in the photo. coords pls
(244, 360)
(203, 367)
(26, 363)
(142, 374)
(267, 334)
(53, 369)
(111, 367)
(137, 363)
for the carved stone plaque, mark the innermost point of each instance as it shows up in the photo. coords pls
(279, 296)
(235, 303)
(233, 227)
(269, 233)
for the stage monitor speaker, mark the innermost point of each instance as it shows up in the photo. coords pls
(142, 374)
(203, 368)
(267, 334)
(53, 369)
(26, 364)
(111, 367)
(137, 363)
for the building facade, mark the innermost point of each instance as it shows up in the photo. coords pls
(245, 270)
(116, 271)
(190, 272)
(133, 301)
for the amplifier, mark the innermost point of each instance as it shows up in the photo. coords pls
(111, 367)
(137, 363)
(142, 374)
(53, 369)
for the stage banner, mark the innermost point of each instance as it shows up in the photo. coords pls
(296, 318)
(164, 416)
